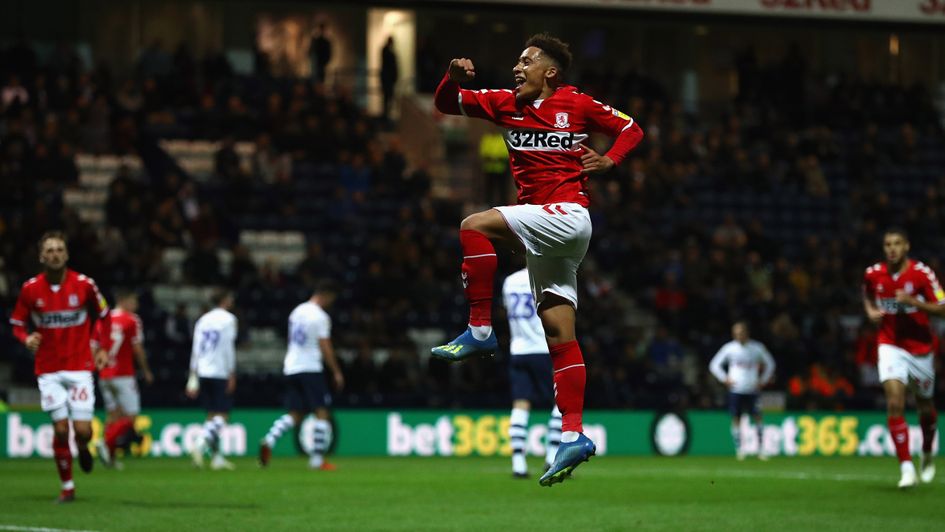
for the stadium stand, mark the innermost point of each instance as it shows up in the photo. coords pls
(266, 185)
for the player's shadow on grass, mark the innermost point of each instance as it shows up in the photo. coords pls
(189, 504)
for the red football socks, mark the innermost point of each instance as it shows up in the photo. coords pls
(899, 430)
(116, 430)
(479, 265)
(928, 422)
(569, 377)
(63, 457)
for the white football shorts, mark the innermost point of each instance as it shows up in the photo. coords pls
(67, 394)
(556, 237)
(121, 393)
(895, 363)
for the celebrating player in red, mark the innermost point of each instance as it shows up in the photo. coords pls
(546, 123)
(63, 306)
(117, 379)
(899, 295)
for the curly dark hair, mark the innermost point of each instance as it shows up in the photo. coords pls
(558, 50)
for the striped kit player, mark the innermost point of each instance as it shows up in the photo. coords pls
(530, 373)
(309, 351)
(213, 376)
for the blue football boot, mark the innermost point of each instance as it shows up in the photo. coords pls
(568, 457)
(465, 346)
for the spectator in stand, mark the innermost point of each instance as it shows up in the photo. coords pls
(269, 165)
(202, 266)
(14, 94)
(177, 326)
(167, 226)
(389, 76)
(314, 266)
(270, 274)
(227, 165)
(361, 372)
(320, 52)
(204, 228)
(243, 271)
(670, 302)
(664, 351)
(729, 235)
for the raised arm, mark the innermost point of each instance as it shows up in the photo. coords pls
(452, 100)
(446, 99)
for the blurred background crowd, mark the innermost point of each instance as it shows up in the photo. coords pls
(766, 208)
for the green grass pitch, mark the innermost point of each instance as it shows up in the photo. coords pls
(608, 493)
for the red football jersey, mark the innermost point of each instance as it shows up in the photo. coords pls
(904, 326)
(126, 332)
(61, 315)
(545, 137)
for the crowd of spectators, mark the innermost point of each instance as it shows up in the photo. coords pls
(769, 213)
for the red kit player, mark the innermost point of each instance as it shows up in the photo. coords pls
(62, 306)
(547, 123)
(117, 379)
(899, 295)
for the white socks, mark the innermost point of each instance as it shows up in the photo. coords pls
(323, 437)
(480, 332)
(569, 436)
(211, 432)
(278, 428)
(518, 433)
(554, 435)
(906, 467)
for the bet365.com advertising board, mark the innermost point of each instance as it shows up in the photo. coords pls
(485, 433)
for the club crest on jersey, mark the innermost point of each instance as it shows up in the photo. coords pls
(73, 300)
(561, 120)
(40, 303)
(908, 287)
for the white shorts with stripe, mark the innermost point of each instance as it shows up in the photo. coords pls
(895, 363)
(556, 237)
(121, 393)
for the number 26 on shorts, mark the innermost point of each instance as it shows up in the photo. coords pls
(79, 393)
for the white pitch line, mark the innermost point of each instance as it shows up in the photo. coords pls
(714, 473)
(40, 529)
